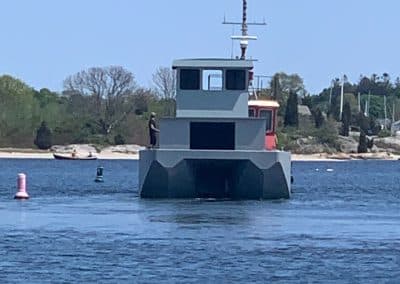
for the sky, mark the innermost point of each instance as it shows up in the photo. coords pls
(44, 41)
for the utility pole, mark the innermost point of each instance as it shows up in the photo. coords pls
(393, 111)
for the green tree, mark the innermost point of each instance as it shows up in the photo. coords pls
(318, 118)
(291, 113)
(276, 87)
(43, 137)
(281, 86)
(109, 89)
(19, 113)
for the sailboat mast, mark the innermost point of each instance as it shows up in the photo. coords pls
(384, 109)
(341, 99)
(369, 100)
(393, 111)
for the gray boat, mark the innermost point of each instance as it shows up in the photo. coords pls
(220, 144)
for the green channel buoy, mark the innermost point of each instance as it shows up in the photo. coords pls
(99, 174)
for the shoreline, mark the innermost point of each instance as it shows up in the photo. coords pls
(41, 155)
(10, 153)
(340, 157)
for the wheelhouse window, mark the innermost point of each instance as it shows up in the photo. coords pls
(189, 79)
(235, 80)
(252, 112)
(267, 115)
(212, 80)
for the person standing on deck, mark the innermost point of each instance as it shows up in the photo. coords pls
(153, 130)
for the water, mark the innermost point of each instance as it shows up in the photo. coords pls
(340, 225)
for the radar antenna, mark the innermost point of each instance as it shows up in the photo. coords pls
(244, 38)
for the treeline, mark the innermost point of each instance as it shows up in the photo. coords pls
(105, 105)
(97, 105)
(369, 106)
(373, 91)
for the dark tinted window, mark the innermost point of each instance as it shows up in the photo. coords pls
(189, 79)
(267, 114)
(252, 113)
(212, 135)
(235, 80)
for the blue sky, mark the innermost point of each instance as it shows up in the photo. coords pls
(44, 41)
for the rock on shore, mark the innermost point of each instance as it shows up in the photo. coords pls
(87, 148)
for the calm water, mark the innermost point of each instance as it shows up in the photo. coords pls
(341, 225)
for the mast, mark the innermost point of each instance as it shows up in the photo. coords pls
(244, 38)
(366, 108)
(243, 47)
(369, 101)
(341, 98)
(384, 109)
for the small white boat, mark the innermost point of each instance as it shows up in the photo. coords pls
(71, 157)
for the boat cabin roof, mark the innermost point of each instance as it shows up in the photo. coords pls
(263, 103)
(213, 63)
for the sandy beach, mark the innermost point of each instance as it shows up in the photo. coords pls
(49, 155)
(11, 153)
(345, 156)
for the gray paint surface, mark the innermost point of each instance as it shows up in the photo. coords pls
(212, 63)
(246, 174)
(211, 104)
(249, 132)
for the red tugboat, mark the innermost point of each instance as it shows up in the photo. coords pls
(266, 109)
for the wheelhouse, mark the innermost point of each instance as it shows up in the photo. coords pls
(268, 110)
(212, 87)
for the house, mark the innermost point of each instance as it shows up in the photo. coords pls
(395, 128)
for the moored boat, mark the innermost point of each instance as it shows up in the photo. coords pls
(59, 156)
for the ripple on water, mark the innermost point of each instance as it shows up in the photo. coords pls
(337, 226)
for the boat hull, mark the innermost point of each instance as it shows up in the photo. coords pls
(166, 173)
(69, 157)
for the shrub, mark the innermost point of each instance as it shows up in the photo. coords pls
(327, 133)
(119, 139)
(362, 143)
(384, 133)
(318, 118)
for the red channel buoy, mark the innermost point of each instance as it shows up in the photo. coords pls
(21, 194)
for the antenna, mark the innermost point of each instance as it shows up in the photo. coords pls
(244, 38)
